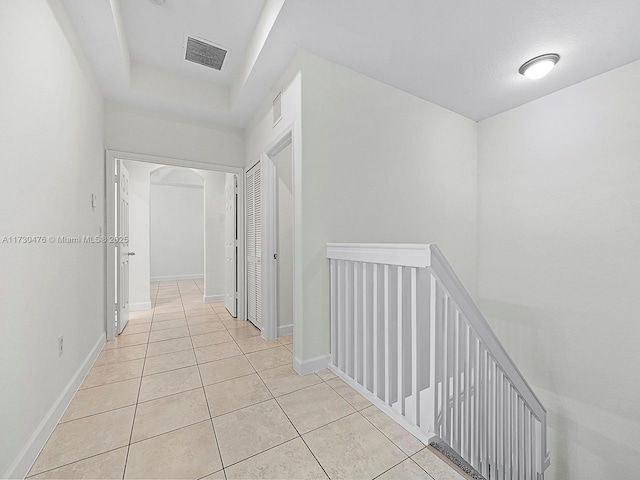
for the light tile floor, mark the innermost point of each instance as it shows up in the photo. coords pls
(187, 391)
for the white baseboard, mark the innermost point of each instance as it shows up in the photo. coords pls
(27, 456)
(194, 276)
(285, 330)
(312, 365)
(213, 298)
(139, 306)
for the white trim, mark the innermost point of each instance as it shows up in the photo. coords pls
(167, 278)
(177, 185)
(408, 255)
(139, 306)
(315, 364)
(110, 157)
(28, 455)
(454, 287)
(175, 162)
(268, 179)
(213, 298)
(285, 330)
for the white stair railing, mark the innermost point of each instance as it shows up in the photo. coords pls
(406, 334)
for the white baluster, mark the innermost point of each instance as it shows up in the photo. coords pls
(400, 336)
(356, 337)
(334, 293)
(457, 440)
(348, 319)
(434, 346)
(467, 392)
(446, 357)
(415, 353)
(375, 328)
(341, 315)
(365, 331)
(387, 338)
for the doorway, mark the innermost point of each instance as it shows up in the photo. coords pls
(270, 240)
(114, 275)
(284, 240)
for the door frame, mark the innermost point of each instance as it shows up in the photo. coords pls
(109, 253)
(245, 214)
(269, 178)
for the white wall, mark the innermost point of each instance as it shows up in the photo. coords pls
(140, 264)
(176, 229)
(559, 269)
(417, 160)
(130, 129)
(51, 146)
(214, 235)
(379, 165)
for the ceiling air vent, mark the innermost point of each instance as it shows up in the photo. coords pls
(277, 108)
(203, 53)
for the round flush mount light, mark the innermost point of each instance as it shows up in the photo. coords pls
(539, 66)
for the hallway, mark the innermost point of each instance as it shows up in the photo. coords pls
(187, 390)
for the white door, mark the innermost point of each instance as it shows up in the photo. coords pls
(230, 244)
(122, 249)
(254, 245)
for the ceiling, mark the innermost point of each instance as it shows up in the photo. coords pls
(461, 55)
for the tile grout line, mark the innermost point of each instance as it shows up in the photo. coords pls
(135, 411)
(296, 428)
(206, 400)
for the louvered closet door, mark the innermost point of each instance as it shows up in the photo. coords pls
(254, 246)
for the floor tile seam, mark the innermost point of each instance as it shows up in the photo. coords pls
(287, 393)
(174, 393)
(241, 408)
(170, 431)
(261, 350)
(258, 453)
(167, 353)
(420, 466)
(64, 422)
(161, 320)
(387, 436)
(314, 456)
(404, 460)
(345, 399)
(170, 369)
(208, 344)
(76, 461)
(223, 358)
(169, 395)
(195, 356)
(108, 383)
(175, 338)
(328, 423)
(228, 379)
(217, 471)
(118, 361)
(135, 411)
(132, 345)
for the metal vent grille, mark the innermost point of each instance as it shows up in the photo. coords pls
(204, 53)
(277, 108)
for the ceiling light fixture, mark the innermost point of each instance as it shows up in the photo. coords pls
(539, 66)
(158, 2)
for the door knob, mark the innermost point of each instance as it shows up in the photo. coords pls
(131, 253)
